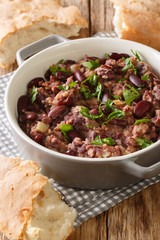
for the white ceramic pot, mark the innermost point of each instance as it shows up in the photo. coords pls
(69, 170)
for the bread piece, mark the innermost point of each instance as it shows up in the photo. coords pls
(132, 21)
(23, 22)
(145, 6)
(30, 208)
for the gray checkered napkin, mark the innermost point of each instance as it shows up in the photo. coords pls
(87, 203)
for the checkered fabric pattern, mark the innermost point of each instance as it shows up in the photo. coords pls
(87, 203)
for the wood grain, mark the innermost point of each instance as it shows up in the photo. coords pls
(101, 16)
(137, 218)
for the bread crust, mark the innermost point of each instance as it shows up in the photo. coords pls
(20, 185)
(132, 21)
(18, 14)
(23, 22)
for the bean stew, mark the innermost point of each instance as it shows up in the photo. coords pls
(95, 107)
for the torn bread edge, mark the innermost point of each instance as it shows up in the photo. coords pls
(30, 208)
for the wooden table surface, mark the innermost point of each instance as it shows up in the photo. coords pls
(137, 218)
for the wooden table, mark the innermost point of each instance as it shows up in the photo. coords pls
(137, 218)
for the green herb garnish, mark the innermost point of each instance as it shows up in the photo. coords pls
(146, 77)
(61, 61)
(85, 112)
(93, 79)
(130, 95)
(128, 65)
(143, 142)
(72, 84)
(108, 141)
(57, 68)
(117, 113)
(99, 141)
(98, 92)
(142, 121)
(136, 55)
(107, 55)
(139, 88)
(33, 94)
(86, 92)
(91, 64)
(89, 125)
(65, 128)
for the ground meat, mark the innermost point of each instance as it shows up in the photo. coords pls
(96, 107)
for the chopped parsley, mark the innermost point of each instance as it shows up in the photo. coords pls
(130, 95)
(65, 128)
(91, 64)
(128, 65)
(116, 113)
(85, 112)
(86, 92)
(142, 121)
(107, 55)
(57, 68)
(99, 141)
(89, 126)
(136, 55)
(61, 61)
(143, 142)
(72, 84)
(99, 90)
(93, 79)
(33, 94)
(146, 77)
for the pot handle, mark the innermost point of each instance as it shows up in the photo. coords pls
(35, 47)
(141, 172)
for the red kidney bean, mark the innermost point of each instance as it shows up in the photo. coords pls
(106, 96)
(73, 134)
(31, 116)
(35, 82)
(23, 103)
(78, 75)
(70, 152)
(118, 56)
(47, 74)
(142, 108)
(38, 138)
(62, 76)
(44, 118)
(136, 80)
(70, 101)
(56, 111)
